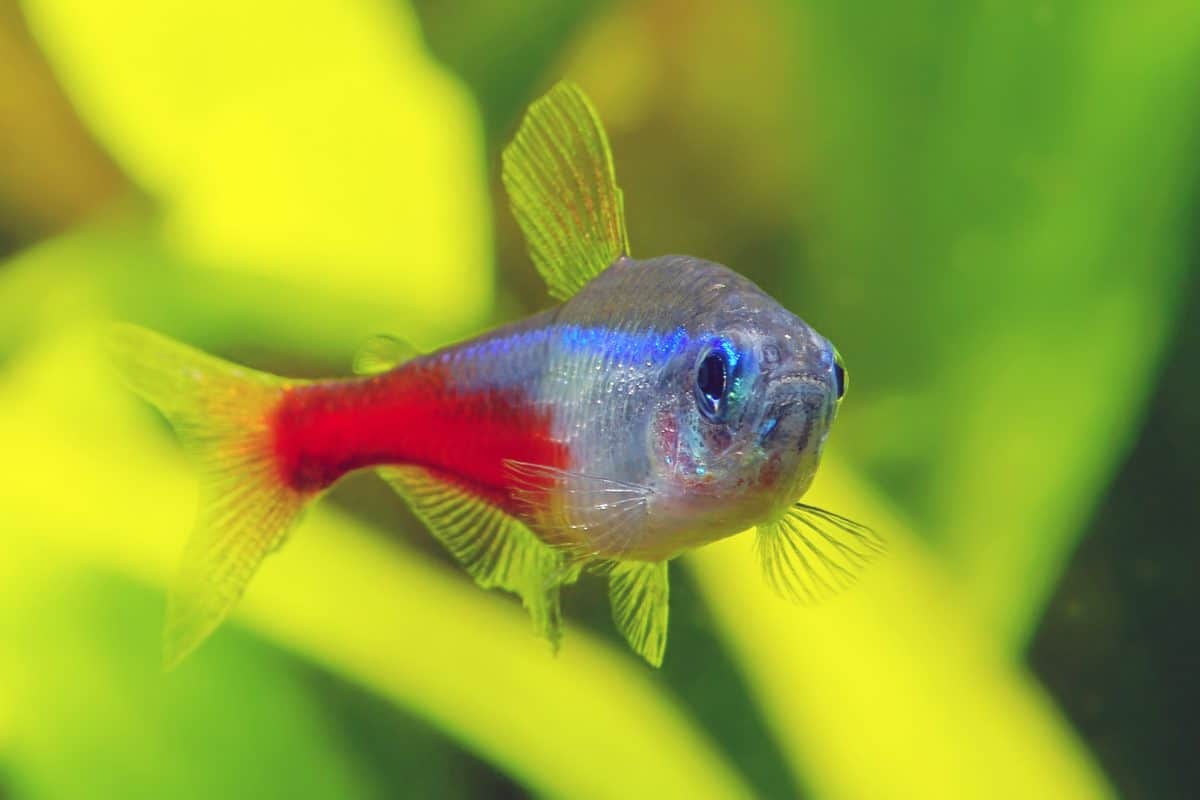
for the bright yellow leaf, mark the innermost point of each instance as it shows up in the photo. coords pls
(894, 688)
(311, 142)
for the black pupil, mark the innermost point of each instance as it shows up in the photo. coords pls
(711, 378)
(839, 379)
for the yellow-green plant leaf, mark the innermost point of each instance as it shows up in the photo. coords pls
(1003, 224)
(501, 48)
(92, 714)
(125, 265)
(101, 483)
(894, 688)
(310, 142)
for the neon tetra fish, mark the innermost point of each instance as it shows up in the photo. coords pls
(664, 404)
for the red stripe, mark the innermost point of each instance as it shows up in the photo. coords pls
(410, 416)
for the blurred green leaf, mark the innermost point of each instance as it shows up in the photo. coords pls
(52, 174)
(93, 716)
(1006, 189)
(312, 143)
(501, 49)
(129, 268)
(371, 611)
(893, 689)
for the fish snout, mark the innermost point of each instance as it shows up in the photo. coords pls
(798, 401)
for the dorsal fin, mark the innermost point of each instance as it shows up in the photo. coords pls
(380, 353)
(558, 171)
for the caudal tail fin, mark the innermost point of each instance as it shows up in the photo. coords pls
(222, 414)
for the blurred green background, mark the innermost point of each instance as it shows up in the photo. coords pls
(989, 207)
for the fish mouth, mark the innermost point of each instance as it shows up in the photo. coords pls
(799, 390)
(800, 402)
(793, 419)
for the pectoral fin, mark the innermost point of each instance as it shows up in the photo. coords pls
(810, 554)
(587, 515)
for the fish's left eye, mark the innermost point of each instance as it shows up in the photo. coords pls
(839, 375)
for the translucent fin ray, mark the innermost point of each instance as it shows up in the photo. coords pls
(494, 547)
(810, 554)
(639, 593)
(220, 412)
(586, 514)
(381, 353)
(562, 187)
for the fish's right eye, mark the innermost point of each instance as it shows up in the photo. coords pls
(710, 381)
(714, 382)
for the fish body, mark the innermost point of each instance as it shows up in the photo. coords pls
(598, 396)
(663, 404)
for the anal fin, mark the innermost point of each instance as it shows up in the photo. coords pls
(494, 547)
(639, 593)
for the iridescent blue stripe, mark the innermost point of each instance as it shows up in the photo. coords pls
(518, 358)
(654, 347)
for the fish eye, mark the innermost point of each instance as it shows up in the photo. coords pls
(712, 381)
(839, 375)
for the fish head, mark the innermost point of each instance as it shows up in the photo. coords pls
(745, 411)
